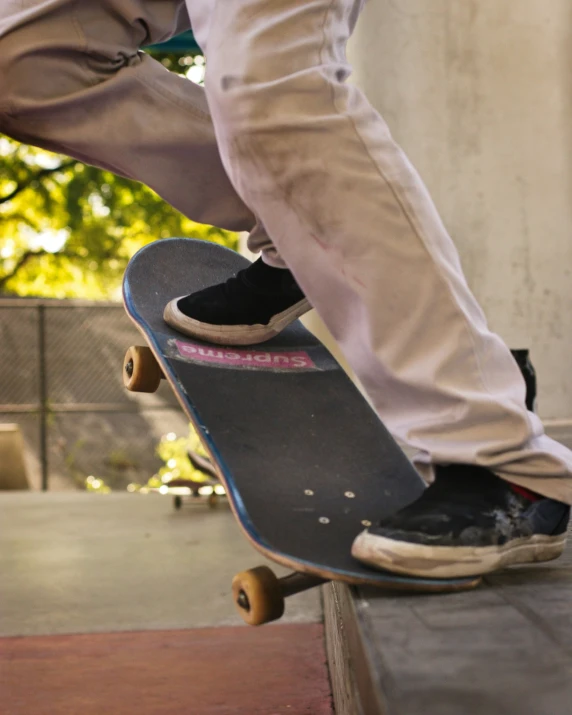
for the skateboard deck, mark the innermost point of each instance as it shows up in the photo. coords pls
(305, 461)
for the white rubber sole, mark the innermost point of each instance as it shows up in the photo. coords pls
(452, 561)
(233, 334)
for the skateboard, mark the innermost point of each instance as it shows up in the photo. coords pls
(197, 491)
(182, 487)
(304, 460)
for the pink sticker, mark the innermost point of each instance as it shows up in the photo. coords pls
(259, 359)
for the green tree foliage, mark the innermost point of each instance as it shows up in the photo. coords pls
(68, 229)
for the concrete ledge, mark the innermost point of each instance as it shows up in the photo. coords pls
(503, 649)
(353, 672)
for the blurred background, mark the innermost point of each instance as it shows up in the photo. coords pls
(67, 231)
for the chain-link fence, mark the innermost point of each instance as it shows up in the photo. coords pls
(61, 381)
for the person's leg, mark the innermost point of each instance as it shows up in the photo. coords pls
(353, 221)
(73, 80)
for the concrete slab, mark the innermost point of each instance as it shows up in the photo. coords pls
(86, 563)
(503, 649)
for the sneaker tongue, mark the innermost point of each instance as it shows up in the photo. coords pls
(266, 279)
(468, 483)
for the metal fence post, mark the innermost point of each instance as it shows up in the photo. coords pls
(43, 387)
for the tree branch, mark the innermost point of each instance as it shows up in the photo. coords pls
(20, 263)
(29, 254)
(35, 177)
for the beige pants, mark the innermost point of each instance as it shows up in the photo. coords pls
(285, 136)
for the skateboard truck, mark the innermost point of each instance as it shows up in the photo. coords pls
(259, 594)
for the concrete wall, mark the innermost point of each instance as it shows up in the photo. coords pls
(13, 473)
(479, 94)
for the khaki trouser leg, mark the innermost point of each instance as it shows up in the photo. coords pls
(353, 220)
(72, 80)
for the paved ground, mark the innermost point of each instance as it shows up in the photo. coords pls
(78, 563)
(278, 670)
(121, 604)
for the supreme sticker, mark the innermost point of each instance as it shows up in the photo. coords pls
(258, 359)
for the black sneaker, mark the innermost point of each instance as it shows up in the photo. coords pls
(468, 522)
(251, 307)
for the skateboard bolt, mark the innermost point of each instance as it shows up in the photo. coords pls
(349, 495)
(243, 601)
(324, 520)
(308, 492)
(129, 368)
